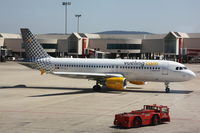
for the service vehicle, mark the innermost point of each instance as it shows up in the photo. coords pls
(149, 115)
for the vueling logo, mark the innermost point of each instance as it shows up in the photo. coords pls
(151, 63)
(134, 63)
(140, 64)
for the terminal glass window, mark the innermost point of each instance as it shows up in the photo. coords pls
(124, 46)
(73, 44)
(170, 44)
(49, 46)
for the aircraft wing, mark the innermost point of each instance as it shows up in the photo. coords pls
(92, 76)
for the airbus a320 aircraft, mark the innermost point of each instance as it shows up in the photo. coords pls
(111, 73)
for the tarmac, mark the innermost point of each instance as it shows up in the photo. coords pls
(34, 103)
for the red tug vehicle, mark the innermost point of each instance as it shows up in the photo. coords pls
(149, 115)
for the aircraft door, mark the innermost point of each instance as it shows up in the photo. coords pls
(165, 68)
(49, 66)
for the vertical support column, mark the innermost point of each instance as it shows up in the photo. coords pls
(84, 41)
(180, 50)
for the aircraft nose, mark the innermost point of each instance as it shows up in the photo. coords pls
(191, 75)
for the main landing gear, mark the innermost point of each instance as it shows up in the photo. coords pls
(97, 87)
(167, 89)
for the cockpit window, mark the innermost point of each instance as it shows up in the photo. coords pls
(181, 68)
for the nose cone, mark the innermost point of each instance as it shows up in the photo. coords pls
(190, 75)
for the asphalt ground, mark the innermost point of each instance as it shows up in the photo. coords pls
(31, 103)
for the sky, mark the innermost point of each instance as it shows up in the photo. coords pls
(48, 16)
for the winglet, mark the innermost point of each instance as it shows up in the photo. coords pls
(42, 71)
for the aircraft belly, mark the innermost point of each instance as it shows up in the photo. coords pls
(143, 76)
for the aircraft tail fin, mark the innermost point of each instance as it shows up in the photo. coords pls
(33, 48)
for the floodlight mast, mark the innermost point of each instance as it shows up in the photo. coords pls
(78, 16)
(66, 4)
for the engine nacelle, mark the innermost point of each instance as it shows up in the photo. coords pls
(116, 83)
(137, 82)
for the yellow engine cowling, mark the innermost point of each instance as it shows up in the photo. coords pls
(137, 82)
(116, 83)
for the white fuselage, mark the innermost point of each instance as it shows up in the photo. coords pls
(132, 70)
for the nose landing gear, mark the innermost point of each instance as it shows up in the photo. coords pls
(167, 89)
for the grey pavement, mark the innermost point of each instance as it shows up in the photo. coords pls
(34, 103)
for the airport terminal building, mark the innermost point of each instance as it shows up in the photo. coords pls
(181, 47)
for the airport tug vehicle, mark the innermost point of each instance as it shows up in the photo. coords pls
(149, 115)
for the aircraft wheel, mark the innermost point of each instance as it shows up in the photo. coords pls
(97, 88)
(167, 90)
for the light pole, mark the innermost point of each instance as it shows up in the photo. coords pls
(78, 16)
(66, 4)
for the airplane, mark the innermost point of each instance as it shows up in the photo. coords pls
(111, 73)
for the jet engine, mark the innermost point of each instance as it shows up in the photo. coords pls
(137, 82)
(116, 83)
